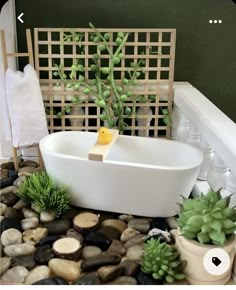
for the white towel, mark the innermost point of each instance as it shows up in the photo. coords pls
(25, 107)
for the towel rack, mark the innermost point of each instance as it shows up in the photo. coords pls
(28, 54)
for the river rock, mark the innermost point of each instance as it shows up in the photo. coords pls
(1, 217)
(13, 213)
(110, 232)
(71, 233)
(8, 189)
(29, 213)
(124, 280)
(141, 225)
(49, 240)
(29, 223)
(109, 273)
(28, 163)
(34, 236)
(19, 180)
(52, 281)
(172, 223)
(94, 263)
(25, 261)
(20, 204)
(12, 173)
(15, 275)
(135, 253)
(3, 208)
(5, 264)
(135, 240)
(58, 227)
(160, 223)
(127, 234)
(116, 247)
(97, 239)
(164, 236)
(130, 267)
(9, 198)
(5, 182)
(8, 165)
(19, 250)
(70, 214)
(66, 269)
(146, 279)
(88, 279)
(3, 173)
(37, 274)
(28, 169)
(47, 216)
(114, 223)
(43, 254)
(90, 251)
(125, 217)
(8, 223)
(11, 237)
(24, 173)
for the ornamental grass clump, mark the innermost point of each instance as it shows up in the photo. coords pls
(41, 191)
(208, 219)
(162, 261)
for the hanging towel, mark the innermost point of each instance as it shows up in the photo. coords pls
(25, 107)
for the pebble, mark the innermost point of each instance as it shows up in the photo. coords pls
(3, 208)
(70, 214)
(135, 253)
(160, 223)
(37, 274)
(1, 217)
(47, 216)
(173, 234)
(28, 163)
(19, 250)
(29, 223)
(146, 279)
(71, 233)
(24, 173)
(9, 198)
(8, 189)
(124, 280)
(94, 263)
(90, 251)
(58, 227)
(20, 204)
(125, 217)
(164, 236)
(11, 237)
(14, 213)
(172, 223)
(130, 267)
(109, 273)
(49, 240)
(13, 174)
(28, 169)
(19, 180)
(29, 213)
(8, 223)
(5, 264)
(66, 269)
(52, 281)
(3, 173)
(25, 261)
(110, 232)
(15, 275)
(114, 223)
(5, 182)
(127, 234)
(88, 279)
(43, 254)
(141, 225)
(135, 240)
(97, 239)
(34, 236)
(116, 247)
(8, 165)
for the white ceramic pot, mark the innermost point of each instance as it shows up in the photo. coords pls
(193, 252)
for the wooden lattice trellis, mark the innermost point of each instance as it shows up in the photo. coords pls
(155, 46)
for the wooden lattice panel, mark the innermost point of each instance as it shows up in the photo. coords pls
(155, 46)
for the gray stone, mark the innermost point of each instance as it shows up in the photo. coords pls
(13, 213)
(9, 198)
(71, 233)
(8, 223)
(130, 267)
(135, 240)
(28, 169)
(8, 165)
(90, 251)
(29, 213)
(5, 264)
(88, 279)
(127, 234)
(47, 216)
(19, 180)
(125, 217)
(109, 273)
(43, 254)
(58, 227)
(29, 223)
(8, 189)
(3, 208)
(94, 263)
(25, 261)
(1, 217)
(135, 253)
(69, 270)
(15, 275)
(20, 204)
(11, 237)
(19, 250)
(116, 247)
(110, 233)
(37, 274)
(141, 225)
(29, 163)
(124, 280)
(3, 173)
(114, 223)
(24, 173)
(164, 235)
(172, 223)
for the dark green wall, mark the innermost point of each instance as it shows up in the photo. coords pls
(205, 55)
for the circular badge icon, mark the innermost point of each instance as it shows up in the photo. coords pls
(216, 261)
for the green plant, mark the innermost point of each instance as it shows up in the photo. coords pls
(207, 219)
(162, 261)
(40, 190)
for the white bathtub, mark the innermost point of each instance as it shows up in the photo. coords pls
(140, 176)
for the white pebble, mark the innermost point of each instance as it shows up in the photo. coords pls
(15, 275)
(3, 208)
(11, 237)
(29, 223)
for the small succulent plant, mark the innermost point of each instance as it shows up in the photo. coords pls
(207, 219)
(40, 190)
(162, 261)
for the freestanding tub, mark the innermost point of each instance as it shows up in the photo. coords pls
(140, 176)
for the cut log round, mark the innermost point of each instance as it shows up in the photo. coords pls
(85, 222)
(67, 248)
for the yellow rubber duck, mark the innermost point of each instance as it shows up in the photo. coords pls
(104, 136)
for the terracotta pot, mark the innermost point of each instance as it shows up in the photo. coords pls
(194, 252)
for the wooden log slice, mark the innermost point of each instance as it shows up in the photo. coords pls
(85, 222)
(67, 248)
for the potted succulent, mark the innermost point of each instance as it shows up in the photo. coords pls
(206, 223)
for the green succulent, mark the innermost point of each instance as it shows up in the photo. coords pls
(162, 261)
(40, 190)
(208, 219)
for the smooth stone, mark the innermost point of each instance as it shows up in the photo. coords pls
(5, 182)
(29, 213)
(13, 174)
(9, 198)
(19, 250)
(8, 223)
(116, 247)
(19, 180)
(16, 275)
(3, 173)
(70, 214)
(1, 217)
(173, 234)
(26, 261)
(125, 217)
(94, 263)
(110, 232)
(141, 225)
(11, 237)
(117, 224)
(20, 204)
(3, 208)
(130, 267)
(49, 240)
(58, 227)
(135, 253)
(90, 251)
(28, 163)
(28, 169)
(164, 236)
(124, 280)
(97, 239)
(8, 165)
(66, 269)
(160, 223)
(14, 213)
(8, 189)
(24, 173)
(52, 281)
(127, 234)
(172, 223)
(109, 273)
(71, 233)
(29, 223)
(37, 274)
(135, 240)
(5, 264)
(34, 236)
(88, 279)
(146, 279)
(47, 216)
(43, 254)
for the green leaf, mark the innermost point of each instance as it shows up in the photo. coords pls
(218, 237)
(203, 238)
(227, 224)
(179, 276)
(170, 279)
(216, 225)
(195, 222)
(206, 228)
